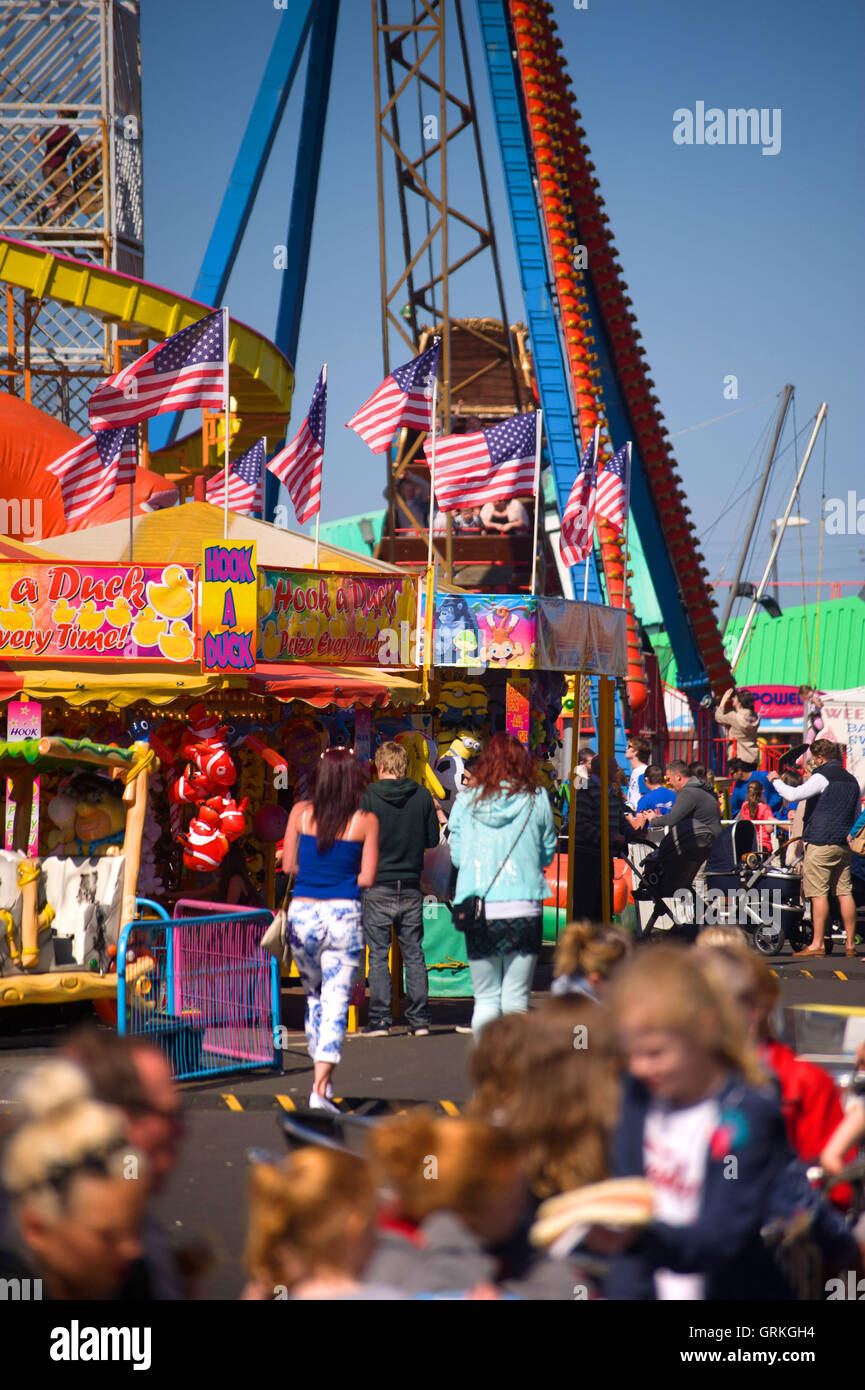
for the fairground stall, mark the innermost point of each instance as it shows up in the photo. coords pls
(165, 711)
(162, 714)
(520, 664)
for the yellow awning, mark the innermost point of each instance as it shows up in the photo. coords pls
(160, 685)
(118, 686)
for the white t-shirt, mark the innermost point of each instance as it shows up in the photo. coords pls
(634, 792)
(675, 1149)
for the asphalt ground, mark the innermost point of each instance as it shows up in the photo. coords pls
(205, 1201)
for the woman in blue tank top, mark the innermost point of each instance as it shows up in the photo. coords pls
(332, 847)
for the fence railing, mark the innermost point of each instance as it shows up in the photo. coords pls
(202, 989)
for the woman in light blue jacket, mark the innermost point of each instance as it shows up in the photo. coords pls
(502, 836)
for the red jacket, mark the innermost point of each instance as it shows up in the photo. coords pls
(811, 1106)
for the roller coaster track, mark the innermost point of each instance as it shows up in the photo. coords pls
(610, 383)
(261, 379)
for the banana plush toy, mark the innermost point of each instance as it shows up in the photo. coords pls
(419, 768)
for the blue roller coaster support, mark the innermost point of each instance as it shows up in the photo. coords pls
(562, 438)
(247, 173)
(321, 46)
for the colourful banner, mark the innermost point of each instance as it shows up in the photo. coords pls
(518, 711)
(229, 606)
(65, 612)
(23, 720)
(480, 630)
(586, 637)
(337, 619)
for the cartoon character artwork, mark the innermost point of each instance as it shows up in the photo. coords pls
(456, 641)
(502, 645)
(90, 816)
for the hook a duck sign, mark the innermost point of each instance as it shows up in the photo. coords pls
(229, 607)
(60, 612)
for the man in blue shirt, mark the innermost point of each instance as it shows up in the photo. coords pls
(658, 798)
(742, 775)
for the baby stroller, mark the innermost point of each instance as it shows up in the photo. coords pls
(754, 891)
(664, 875)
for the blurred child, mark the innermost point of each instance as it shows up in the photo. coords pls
(460, 1195)
(695, 1114)
(810, 1100)
(587, 953)
(555, 1089)
(312, 1228)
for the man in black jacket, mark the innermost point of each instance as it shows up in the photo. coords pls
(832, 796)
(408, 826)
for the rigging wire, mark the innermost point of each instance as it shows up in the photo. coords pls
(729, 414)
(728, 505)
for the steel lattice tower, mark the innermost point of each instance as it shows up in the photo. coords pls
(70, 180)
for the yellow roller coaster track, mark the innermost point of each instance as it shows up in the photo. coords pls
(261, 379)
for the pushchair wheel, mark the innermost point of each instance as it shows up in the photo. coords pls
(768, 939)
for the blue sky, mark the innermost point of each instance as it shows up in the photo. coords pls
(737, 263)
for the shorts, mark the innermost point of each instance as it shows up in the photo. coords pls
(827, 870)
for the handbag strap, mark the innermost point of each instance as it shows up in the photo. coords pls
(513, 846)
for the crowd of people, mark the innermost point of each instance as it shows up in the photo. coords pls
(603, 1126)
(654, 1072)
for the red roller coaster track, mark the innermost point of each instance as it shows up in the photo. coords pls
(572, 210)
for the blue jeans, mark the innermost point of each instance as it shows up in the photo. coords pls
(387, 905)
(501, 985)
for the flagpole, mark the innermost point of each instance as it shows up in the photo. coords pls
(540, 424)
(263, 482)
(595, 438)
(318, 513)
(226, 406)
(432, 472)
(132, 485)
(627, 523)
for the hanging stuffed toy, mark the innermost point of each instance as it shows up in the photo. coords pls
(450, 768)
(204, 845)
(419, 768)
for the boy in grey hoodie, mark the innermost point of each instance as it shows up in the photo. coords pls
(408, 826)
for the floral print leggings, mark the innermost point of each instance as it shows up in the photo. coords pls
(326, 940)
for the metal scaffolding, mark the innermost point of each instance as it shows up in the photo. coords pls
(418, 116)
(70, 180)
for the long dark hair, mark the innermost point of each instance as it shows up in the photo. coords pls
(754, 796)
(504, 761)
(338, 785)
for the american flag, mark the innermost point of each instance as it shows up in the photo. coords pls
(404, 399)
(92, 471)
(575, 539)
(611, 501)
(472, 469)
(185, 371)
(244, 482)
(299, 464)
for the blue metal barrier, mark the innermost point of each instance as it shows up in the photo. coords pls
(203, 990)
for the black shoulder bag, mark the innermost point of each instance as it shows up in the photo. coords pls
(472, 911)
